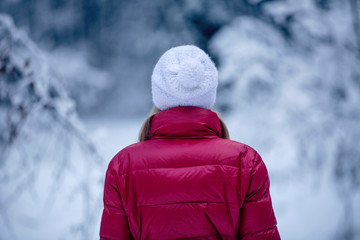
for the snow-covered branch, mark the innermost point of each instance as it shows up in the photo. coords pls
(47, 163)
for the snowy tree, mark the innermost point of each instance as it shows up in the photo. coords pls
(50, 173)
(123, 38)
(86, 84)
(291, 87)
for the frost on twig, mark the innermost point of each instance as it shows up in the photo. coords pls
(50, 172)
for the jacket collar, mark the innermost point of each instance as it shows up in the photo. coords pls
(185, 122)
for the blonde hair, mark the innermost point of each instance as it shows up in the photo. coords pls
(145, 128)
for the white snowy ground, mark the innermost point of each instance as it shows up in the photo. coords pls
(305, 208)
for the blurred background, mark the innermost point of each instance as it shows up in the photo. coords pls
(75, 88)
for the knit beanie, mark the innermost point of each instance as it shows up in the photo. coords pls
(184, 76)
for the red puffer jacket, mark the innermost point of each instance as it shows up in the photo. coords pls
(187, 183)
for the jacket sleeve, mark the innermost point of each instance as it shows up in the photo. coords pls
(114, 223)
(257, 218)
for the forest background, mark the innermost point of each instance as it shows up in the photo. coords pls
(75, 88)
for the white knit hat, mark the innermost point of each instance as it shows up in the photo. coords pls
(184, 76)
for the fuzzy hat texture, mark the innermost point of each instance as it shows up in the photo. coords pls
(184, 76)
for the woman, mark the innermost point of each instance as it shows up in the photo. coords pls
(185, 179)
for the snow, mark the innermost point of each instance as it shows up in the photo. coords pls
(51, 175)
(111, 135)
(296, 102)
(86, 84)
(293, 96)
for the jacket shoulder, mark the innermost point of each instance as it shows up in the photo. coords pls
(121, 158)
(249, 157)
